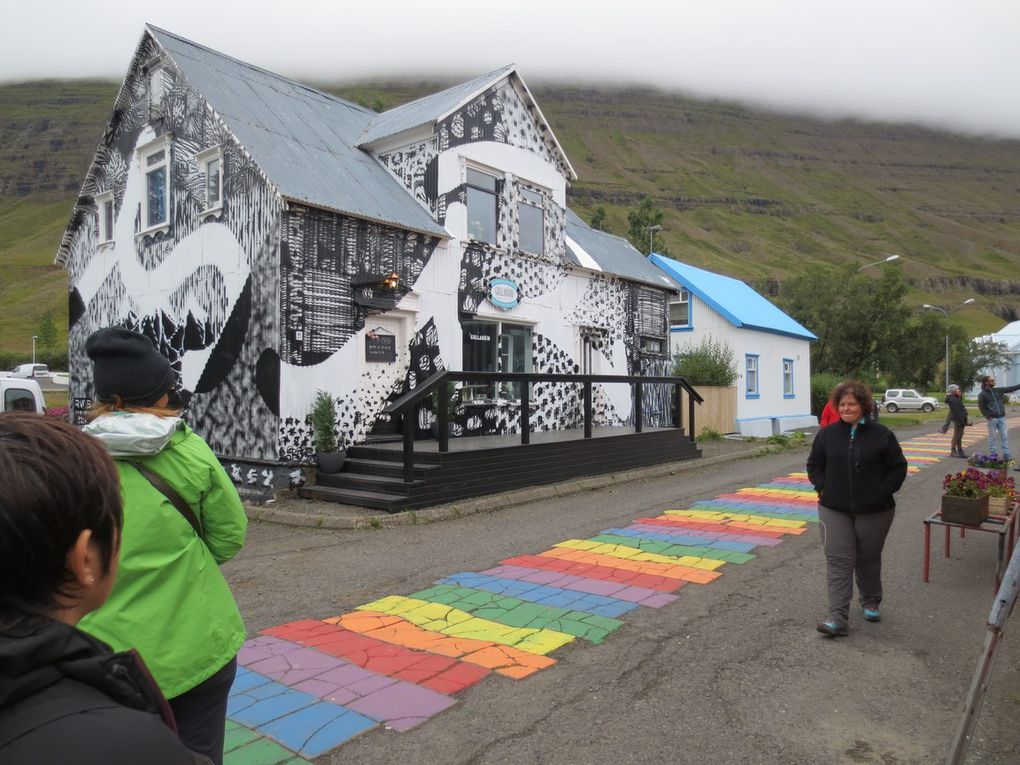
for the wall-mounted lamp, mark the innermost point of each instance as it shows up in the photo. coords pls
(392, 281)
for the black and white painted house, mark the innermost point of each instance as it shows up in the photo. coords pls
(274, 240)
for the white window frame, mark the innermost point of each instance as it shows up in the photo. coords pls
(752, 387)
(788, 387)
(203, 159)
(144, 153)
(539, 205)
(683, 299)
(468, 187)
(106, 227)
(154, 80)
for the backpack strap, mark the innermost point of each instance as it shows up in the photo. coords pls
(163, 487)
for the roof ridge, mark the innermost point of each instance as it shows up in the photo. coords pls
(153, 28)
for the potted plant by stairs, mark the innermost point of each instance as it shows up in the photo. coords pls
(966, 497)
(450, 401)
(329, 458)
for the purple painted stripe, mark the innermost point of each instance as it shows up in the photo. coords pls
(640, 595)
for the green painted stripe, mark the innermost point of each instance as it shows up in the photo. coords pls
(674, 550)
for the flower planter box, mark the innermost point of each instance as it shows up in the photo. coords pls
(999, 505)
(970, 511)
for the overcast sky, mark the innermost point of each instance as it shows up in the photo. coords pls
(946, 63)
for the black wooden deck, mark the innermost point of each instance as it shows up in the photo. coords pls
(473, 466)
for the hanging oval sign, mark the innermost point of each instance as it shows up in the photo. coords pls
(504, 294)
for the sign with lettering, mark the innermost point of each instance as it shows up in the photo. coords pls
(504, 294)
(380, 347)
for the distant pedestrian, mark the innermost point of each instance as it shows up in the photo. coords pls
(992, 406)
(856, 466)
(182, 520)
(64, 696)
(959, 419)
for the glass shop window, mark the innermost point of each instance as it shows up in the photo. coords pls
(496, 346)
(481, 206)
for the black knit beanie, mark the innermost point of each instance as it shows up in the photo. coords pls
(128, 365)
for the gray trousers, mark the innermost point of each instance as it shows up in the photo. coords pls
(853, 546)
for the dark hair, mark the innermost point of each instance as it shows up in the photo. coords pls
(857, 389)
(986, 379)
(58, 482)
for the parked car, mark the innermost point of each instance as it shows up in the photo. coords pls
(20, 395)
(30, 371)
(907, 398)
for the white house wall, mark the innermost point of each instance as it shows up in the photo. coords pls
(757, 416)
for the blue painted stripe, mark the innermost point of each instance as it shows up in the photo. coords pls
(554, 597)
(644, 532)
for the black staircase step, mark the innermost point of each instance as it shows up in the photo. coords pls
(365, 482)
(394, 468)
(391, 503)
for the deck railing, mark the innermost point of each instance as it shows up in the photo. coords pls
(408, 403)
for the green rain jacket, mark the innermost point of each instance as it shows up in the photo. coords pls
(170, 600)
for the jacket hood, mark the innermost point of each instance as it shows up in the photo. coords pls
(36, 657)
(134, 434)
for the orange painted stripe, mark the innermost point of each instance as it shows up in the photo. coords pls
(685, 573)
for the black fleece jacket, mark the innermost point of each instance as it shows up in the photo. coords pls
(66, 698)
(857, 474)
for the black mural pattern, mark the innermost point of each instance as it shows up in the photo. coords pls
(411, 166)
(252, 212)
(480, 264)
(324, 257)
(605, 312)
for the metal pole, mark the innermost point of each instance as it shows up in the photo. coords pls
(947, 354)
(34, 338)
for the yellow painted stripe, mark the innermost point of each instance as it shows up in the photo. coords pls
(633, 553)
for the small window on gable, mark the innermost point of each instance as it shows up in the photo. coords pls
(680, 311)
(531, 220)
(210, 165)
(155, 163)
(156, 90)
(105, 211)
(481, 206)
(788, 378)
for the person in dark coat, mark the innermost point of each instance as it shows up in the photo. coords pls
(958, 417)
(856, 466)
(64, 696)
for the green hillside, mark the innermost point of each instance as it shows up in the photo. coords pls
(748, 193)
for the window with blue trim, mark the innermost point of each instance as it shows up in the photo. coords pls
(788, 378)
(751, 376)
(680, 311)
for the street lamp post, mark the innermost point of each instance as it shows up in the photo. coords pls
(34, 338)
(651, 236)
(945, 313)
(890, 259)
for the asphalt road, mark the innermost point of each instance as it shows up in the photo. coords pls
(733, 671)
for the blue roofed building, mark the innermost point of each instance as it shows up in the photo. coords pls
(273, 240)
(771, 350)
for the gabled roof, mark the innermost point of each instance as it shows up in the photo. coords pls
(599, 251)
(429, 110)
(1008, 335)
(304, 140)
(732, 299)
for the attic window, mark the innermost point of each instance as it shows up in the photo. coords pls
(104, 208)
(210, 165)
(156, 89)
(155, 163)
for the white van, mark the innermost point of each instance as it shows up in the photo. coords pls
(17, 395)
(30, 371)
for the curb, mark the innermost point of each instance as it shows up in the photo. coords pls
(490, 502)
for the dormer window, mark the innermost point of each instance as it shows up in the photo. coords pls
(155, 162)
(531, 220)
(481, 206)
(210, 165)
(104, 208)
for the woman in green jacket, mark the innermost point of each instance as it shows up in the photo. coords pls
(170, 600)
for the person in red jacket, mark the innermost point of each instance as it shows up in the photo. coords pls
(829, 415)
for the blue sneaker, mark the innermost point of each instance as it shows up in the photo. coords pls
(832, 628)
(872, 615)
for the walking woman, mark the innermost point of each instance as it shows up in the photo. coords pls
(64, 696)
(855, 465)
(182, 520)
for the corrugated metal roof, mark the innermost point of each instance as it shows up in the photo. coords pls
(429, 109)
(599, 251)
(302, 139)
(732, 299)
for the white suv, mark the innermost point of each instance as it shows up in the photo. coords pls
(907, 398)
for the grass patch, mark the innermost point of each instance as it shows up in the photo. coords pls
(708, 435)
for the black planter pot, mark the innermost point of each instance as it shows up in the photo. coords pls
(330, 462)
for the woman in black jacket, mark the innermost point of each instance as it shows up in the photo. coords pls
(855, 465)
(64, 696)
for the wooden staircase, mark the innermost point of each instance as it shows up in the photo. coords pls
(372, 475)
